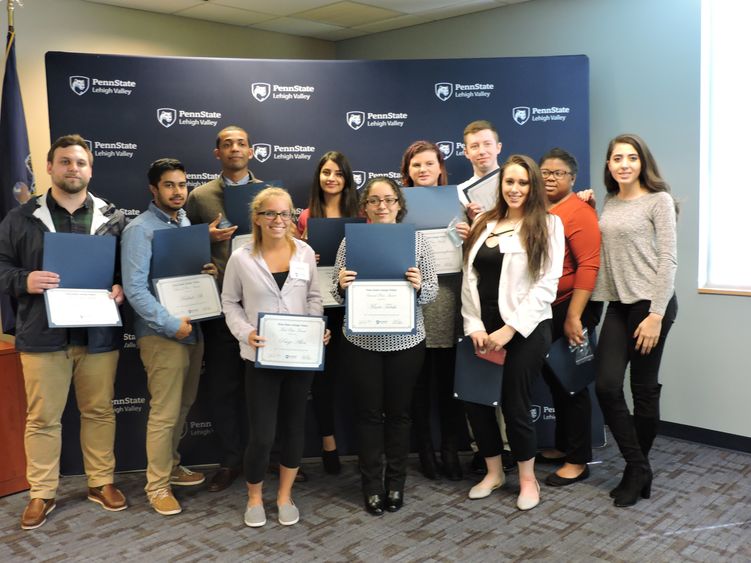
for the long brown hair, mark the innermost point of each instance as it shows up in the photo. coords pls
(348, 202)
(419, 147)
(649, 176)
(534, 230)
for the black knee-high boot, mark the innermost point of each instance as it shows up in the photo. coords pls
(637, 477)
(646, 414)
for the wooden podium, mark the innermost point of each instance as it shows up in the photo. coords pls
(12, 422)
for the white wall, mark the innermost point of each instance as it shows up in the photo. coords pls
(644, 78)
(83, 27)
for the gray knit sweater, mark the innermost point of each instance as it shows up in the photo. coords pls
(638, 251)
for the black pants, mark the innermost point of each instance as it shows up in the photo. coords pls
(616, 349)
(324, 382)
(573, 413)
(383, 383)
(438, 371)
(524, 358)
(274, 395)
(225, 382)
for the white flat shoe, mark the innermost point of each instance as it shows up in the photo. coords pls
(478, 491)
(528, 502)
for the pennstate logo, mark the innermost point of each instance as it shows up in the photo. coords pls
(535, 412)
(260, 90)
(355, 119)
(166, 116)
(79, 84)
(446, 148)
(444, 90)
(520, 114)
(89, 144)
(261, 152)
(184, 430)
(359, 177)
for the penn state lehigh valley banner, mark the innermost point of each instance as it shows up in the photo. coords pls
(133, 110)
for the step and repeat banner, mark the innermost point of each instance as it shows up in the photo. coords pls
(133, 110)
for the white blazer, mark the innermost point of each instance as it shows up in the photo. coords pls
(523, 303)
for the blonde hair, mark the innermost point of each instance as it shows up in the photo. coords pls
(256, 207)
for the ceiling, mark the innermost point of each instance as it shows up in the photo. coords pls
(320, 19)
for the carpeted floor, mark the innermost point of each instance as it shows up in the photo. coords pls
(700, 510)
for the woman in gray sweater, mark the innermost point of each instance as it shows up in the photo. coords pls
(636, 278)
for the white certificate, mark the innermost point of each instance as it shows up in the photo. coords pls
(195, 297)
(326, 284)
(381, 307)
(81, 308)
(448, 258)
(484, 191)
(292, 341)
(240, 240)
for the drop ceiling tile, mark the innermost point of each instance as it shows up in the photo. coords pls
(294, 26)
(224, 14)
(162, 6)
(275, 7)
(347, 14)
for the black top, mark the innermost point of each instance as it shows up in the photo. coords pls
(488, 263)
(280, 278)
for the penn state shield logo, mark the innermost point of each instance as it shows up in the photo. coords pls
(444, 90)
(79, 84)
(166, 116)
(446, 148)
(261, 152)
(355, 119)
(520, 114)
(89, 144)
(184, 431)
(535, 412)
(359, 177)
(260, 90)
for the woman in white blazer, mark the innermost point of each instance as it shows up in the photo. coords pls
(513, 258)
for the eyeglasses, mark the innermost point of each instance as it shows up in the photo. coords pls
(271, 215)
(390, 201)
(557, 174)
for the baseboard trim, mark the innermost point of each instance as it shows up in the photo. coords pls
(704, 436)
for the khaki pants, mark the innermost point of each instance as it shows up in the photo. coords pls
(172, 372)
(47, 378)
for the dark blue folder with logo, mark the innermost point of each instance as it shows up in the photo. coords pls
(572, 377)
(237, 201)
(476, 380)
(380, 252)
(432, 208)
(180, 252)
(81, 261)
(325, 235)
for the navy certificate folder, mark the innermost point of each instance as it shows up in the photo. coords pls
(325, 235)
(81, 261)
(237, 201)
(432, 208)
(572, 377)
(380, 252)
(476, 380)
(180, 252)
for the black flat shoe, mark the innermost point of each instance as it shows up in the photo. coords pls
(428, 463)
(374, 504)
(394, 501)
(555, 480)
(452, 469)
(331, 463)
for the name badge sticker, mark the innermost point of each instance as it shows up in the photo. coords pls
(299, 271)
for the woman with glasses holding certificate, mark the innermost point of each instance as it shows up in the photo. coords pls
(274, 273)
(333, 194)
(423, 166)
(384, 367)
(513, 258)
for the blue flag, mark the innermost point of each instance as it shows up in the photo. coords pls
(16, 174)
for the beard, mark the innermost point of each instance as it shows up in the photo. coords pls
(71, 186)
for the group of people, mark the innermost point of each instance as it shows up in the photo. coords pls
(536, 268)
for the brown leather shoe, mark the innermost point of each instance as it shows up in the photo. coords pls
(109, 497)
(35, 513)
(223, 479)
